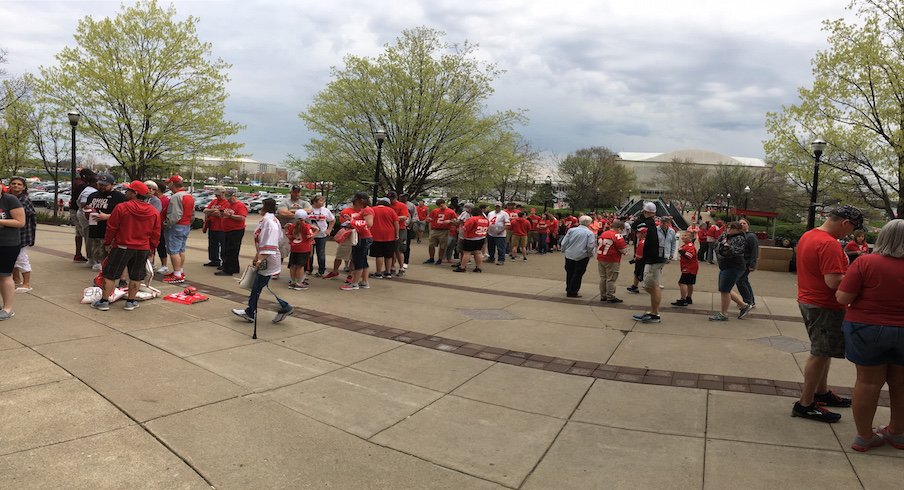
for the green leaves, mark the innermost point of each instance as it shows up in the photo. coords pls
(146, 88)
(595, 178)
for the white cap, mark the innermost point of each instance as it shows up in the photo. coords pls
(649, 207)
(301, 214)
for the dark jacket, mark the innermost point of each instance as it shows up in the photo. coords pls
(751, 249)
(651, 242)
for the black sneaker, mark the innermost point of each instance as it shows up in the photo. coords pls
(477, 269)
(830, 399)
(680, 303)
(689, 301)
(428, 261)
(814, 412)
(615, 300)
(459, 269)
(633, 290)
(744, 311)
(650, 318)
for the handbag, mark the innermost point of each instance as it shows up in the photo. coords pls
(247, 280)
(342, 235)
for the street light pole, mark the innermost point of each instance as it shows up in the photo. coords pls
(728, 206)
(818, 146)
(746, 196)
(380, 135)
(549, 187)
(74, 117)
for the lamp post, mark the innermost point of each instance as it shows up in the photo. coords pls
(728, 206)
(549, 188)
(746, 196)
(818, 146)
(74, 117)
(380, 135)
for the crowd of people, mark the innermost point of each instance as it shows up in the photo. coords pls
(847, 295)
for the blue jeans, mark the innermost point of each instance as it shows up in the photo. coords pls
(728, 279)
(176, 236)
(261, 282)
(215, 241)
(320, 251)
(542, 243)
(496, 243)
(745, 289)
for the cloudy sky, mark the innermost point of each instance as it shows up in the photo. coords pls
(647, 76)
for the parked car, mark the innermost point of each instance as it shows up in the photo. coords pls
(41, 198)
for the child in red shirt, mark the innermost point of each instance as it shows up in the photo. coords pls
(857, 246)
(690, 265)
(301, 239)
(638, 260)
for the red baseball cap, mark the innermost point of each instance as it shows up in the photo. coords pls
(174, 178)
(138, 187)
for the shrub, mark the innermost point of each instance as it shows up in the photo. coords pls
(49, 219)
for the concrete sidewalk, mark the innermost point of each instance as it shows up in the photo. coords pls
(398, 387)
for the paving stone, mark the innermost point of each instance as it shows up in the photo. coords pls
(491, 442)
(193, 338)
(337, 345)
(489, 314)
(124, 458)
(784, 344)
(263, 366)
(23, 367)
(440, 371)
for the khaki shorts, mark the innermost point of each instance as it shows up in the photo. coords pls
(518, 241)
(438, 238)
(652, 275)
(344, 251)
(824, 326)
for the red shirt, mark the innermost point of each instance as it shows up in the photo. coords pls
(305, 239)
(440, 218)
(384, 221)
(476, 228)
(346, 215)
(534, 221)
(215, 223)
(818, 253)
(609, 246)
(702, 234)
(853, 246)
(520, 226)
(239, 209)
(877, 280)
(543, 226)
(638, 249)
(713, 233)
(421, 213)
(135, 225)
(359, 223)
(688, 257)
(554, 226)
(401, 211)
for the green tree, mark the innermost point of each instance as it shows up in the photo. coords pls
(15, 131)
(430, 97)
(146, 87)
(856, 104)
(50, 138)
(688, 183)
(595, 179)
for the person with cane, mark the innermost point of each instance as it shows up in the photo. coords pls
(267, 261)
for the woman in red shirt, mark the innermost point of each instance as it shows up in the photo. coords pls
(857, 246)
(362, 219)
(874, 335)
(301, 241)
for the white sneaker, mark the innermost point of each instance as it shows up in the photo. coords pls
(96, 267)
(163, 270)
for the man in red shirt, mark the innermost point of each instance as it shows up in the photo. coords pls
(401, 210)
(821, 264)
(533, 236)
(440, 221)
(474, 233)
(520, 229)
(385, 233)
(422, 212)
(133, 230)
(213, 216)
(610, 247)
(234, 214)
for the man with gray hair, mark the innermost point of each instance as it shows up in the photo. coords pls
(578, 245)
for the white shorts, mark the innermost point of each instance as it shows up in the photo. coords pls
(22, 262)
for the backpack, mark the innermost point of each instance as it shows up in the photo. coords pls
(729, 247)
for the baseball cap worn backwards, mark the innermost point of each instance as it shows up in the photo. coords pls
(649, 207)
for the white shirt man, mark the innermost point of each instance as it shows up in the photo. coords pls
(499, 223)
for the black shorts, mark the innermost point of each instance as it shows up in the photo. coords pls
(8, 256)
(638, 269)
(472, 245)
(299, 259)
(121, 258)
(383, 249)
(688, 279)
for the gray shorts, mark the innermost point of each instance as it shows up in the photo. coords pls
(652, 275)
(824, 326)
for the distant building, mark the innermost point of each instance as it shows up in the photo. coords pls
(646, 166)
(242, 168)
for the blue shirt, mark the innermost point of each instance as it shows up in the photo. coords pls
(579, 243)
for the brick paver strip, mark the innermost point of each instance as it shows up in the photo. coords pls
(533, 360)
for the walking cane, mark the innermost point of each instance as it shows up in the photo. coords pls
(254, 332)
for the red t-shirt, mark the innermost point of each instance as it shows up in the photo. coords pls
(554, 226)
(476, 228)
(702, 234)
(421, 213)
(401, 210)
(215, 223)
(818, 253)
(543, 226)
(713, 233)
(384, 219)
(305, 240)
(239, 209)
(534, 222)
(520, 226)
(609, 246)
(440, 219)
(346, 215)
(688, 258)
(877, 280)
(854, 247)
(358, 222)
(638, 249)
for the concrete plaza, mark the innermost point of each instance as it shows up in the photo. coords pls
(437, 380)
